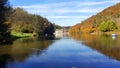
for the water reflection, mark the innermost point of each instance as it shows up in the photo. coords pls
(105, 44)
(89, 51)
(4, 59)
(21, 49)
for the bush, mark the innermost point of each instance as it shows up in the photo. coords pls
(107, 26)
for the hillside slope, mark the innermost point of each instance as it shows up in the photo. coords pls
(93, 23)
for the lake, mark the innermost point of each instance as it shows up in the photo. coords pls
(78, 51)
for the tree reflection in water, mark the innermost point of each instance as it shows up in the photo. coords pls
(105, 44)
(4, 59)
(21, 49)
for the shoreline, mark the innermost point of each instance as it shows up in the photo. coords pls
(108, 33)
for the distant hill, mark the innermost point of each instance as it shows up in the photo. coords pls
(101, 21)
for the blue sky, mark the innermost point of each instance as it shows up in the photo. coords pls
(64, 12)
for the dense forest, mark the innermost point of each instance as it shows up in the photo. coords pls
(4, 30)
(22, 21)
(106, 21)
(17, 20)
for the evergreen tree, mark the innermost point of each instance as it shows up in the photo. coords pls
(4, 8)
(49, 30)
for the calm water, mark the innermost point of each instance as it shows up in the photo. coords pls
(80, 51)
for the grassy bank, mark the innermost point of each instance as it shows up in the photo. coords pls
(16, 35)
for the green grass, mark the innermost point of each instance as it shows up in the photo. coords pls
(16, 35)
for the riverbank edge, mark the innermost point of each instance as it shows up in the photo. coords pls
(107, 33)
(97, 33)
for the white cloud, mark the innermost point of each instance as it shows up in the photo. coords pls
(33, 7)
(49, 11)
(63, 4)
(68, 17)
(72, 3)
(67, 21)
(65, 9)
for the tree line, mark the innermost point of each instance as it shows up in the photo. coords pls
(19, 20)
(22, 21)
(106, 21)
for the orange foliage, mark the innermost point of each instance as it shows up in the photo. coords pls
(91, 24)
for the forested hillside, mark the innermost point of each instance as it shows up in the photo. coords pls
(22, 21)
(106, 21)
(17, 21)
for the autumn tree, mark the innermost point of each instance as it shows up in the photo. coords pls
(101, 19)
